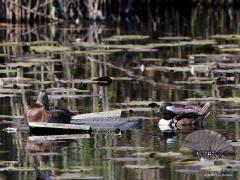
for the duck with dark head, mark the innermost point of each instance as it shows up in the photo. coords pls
(171, 120)
(41, 111)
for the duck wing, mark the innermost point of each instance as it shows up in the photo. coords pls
(190, 115)
(168, 114)
(58, 115)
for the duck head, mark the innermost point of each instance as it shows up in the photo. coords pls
(168, 114)
(167, 111)
(42, 99)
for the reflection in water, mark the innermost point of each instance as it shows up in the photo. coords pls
(66, 75)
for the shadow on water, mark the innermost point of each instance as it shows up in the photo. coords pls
(174, 57)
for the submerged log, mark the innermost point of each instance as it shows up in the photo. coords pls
(114, 113)
(81, 123)
(57, 128)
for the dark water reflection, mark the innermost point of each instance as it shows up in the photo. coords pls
(89, 155)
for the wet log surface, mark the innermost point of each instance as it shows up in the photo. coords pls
(57, 128)
(87, 123)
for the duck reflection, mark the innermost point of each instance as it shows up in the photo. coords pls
(45, 145)
(169, 137)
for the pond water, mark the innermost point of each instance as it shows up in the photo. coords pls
(149, 67)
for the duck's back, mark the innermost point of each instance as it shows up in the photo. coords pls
(57, 115)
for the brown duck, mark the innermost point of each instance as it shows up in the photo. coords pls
(41, 111)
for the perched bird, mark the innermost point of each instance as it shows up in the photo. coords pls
(206, 143)
(41, 111)
(171, 120)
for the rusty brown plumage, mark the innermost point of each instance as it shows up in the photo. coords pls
(42, 112)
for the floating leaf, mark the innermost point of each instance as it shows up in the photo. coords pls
(187, 170)
(104, 51)
(22, 64)
(77, 176)
(43, 42)
(12, 168)
(131, 166)
(162, 45)
(139, 109)
(66, 90)
(174, 38)
(126, 37)
(188, 161)
(42, 60)
(199, 42)
(226, 46)
(152, 59)
(128, 46)
(138, 103)
(127, 159)
(122, 78)
(71, 96)
(194, 82)
(75, 169)
(10, 116)
(158, 154)
(226, 36)
(142, 50)
(230, 50)
(7, 71)
(166, 69)
(226, 71)
(42, 49)
(183, 43)
(7, 95)
(96, 52)
(91, 45)
(177, 60)
(126, 148)
(3, 55)
(230, 99)
(10, 44)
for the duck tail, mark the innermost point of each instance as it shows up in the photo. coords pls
(74, 113)
(204, 109)
(208, 143)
